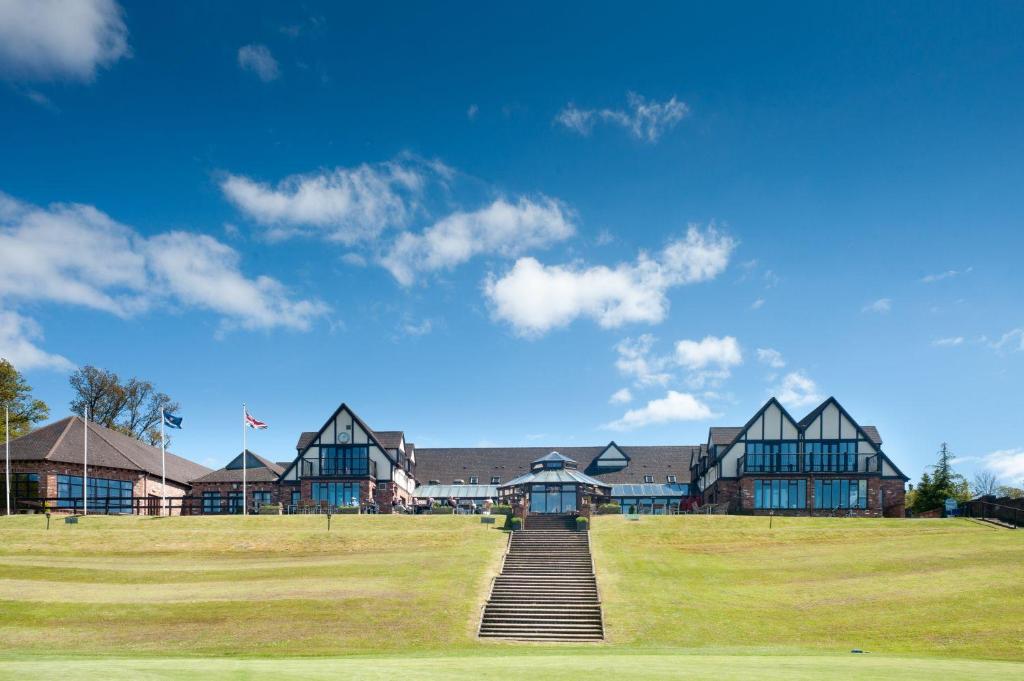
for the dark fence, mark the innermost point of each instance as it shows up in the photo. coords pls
(1003, 509)
(115, 505)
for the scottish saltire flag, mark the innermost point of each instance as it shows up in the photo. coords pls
(172, 421)
(254, 423)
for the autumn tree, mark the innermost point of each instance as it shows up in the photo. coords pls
(16, 395)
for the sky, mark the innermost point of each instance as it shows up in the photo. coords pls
(524, 224)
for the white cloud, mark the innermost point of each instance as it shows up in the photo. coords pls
(881, 306)
(49, 39)
(504, 228)
(354, 259)
(675, 406)
(422, 328)
(258, 59)
(757, 304)
(636, 361)
(1008, 464)
(202, 272)
(621, 396)
(18, 336)
(722, 352)
(75, 254)
(952, 341)
(472, 112)
(645, 120)
(1012, 340)
(346, 205)
(535, 298)
(948, 274)
(797, 390)
(771, 357)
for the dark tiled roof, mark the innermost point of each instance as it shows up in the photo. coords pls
(389, 439)
(63, 441)
(872, 434)
(459, 463)
(806, 421)
(305, 439)
(283, 464)
(259, 470)
(723, 435)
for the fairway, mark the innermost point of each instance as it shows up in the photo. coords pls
(399, 597)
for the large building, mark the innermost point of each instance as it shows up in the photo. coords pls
(124, 475)
(824, 464)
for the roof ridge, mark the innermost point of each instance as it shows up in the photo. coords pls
(117, 449)
(60, 437)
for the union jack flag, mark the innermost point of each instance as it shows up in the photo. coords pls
(254, 423)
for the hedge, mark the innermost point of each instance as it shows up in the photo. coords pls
(609, 509)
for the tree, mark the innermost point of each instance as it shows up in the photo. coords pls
(985, 482)
(933, 490)
(16, 394)
(1010, 491)
(132, 406)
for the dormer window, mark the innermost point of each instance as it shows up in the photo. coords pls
(495, 479)
(648, 479)
(474, 480)
(671, 479)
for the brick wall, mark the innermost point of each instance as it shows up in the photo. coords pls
(893, 498)
(226, 488)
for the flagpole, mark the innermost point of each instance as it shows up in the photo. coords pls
(7, 456)
(163, 467)
(245, 507)
(85, 465)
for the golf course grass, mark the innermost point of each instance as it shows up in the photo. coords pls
(398, 597)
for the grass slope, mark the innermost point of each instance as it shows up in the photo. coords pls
(932, 587)
(256, 586)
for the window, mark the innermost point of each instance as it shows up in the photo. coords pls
(105, 496)
(260, 497)
(234, 502)
(831, 494)
(671, 479)
(648, 479)
(296, 497)
(495, 479)
(838, 456)
(552, 498)
(382, 485)
(337, 493)
(780, 494)
(345, 460)
(771, 457)
(23, 485)
(211, 502)
(474, 480)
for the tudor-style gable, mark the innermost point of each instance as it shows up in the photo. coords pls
(346, 430)
(611, 458)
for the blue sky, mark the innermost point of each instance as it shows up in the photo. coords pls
(522, 225)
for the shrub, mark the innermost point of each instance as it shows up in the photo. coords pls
(515, 523)
(582, 523)
(442, 510)
(609, 509)
(347, 510)
(501, 509)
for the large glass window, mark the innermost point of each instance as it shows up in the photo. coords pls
(234, 502)
(771, 457)
(835, 456)
(345, 460)
(260, 497)
(105, 496)
(831, 494)
(211, 503)
(780, 494)
(337, 493)
(552, 498)
(23, 485)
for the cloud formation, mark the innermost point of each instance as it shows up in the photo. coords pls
(257, 59)
(535, 298)
(1008, 464)
(771, 357)
(880, 306)
(75, 254)
(621, 396)
(645, 120)
(60, 39)
(18, 337)
(675, 406)
(948, 274)
(344, 205)
(797, 390)
(952, 341)
(503, 228)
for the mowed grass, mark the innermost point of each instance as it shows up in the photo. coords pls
(384, 597)
(264, 585)
(723, 583)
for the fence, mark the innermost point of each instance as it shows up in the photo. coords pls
(1003, 509)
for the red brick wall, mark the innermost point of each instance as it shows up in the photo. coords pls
(894, 498)
(225, 488)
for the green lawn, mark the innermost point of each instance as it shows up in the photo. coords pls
(398, 597)
(933, 587)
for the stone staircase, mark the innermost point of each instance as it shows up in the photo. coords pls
(547, 590)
